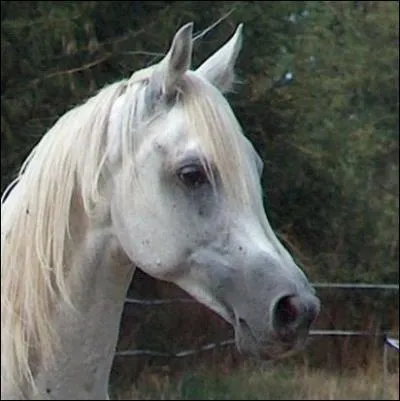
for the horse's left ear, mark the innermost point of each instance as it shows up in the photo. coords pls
(171, 68)
(219, 68)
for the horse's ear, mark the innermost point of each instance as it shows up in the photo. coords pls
(171, 68)
(219, 68)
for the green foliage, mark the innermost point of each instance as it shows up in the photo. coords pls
(346, 132)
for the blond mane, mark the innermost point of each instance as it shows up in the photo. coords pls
(71, 157)
(35, 230)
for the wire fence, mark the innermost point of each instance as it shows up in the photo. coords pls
(391, 342)
(387, 341)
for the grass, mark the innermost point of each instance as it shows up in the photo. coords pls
(281, 381)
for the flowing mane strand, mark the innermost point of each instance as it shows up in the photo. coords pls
(35, 229)
(211, 120)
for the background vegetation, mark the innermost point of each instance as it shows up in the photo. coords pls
(319, 100)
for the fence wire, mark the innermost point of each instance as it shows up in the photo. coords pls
(180, 354)
(208, 347)
(361, 286)
(137, 352)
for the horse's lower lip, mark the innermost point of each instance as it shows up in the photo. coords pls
(280, 349)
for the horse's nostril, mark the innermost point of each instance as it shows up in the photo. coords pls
(295, 312)
(286, 311)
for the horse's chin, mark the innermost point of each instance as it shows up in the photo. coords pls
(267, 349)
(270, 353)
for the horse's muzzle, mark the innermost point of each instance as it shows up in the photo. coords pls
(290, 321)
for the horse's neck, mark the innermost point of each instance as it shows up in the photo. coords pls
(88, 337)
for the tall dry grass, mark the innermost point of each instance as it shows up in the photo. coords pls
(262, 381)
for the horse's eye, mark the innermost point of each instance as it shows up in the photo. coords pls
(192, 176)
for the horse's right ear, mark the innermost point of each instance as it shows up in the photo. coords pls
(169, 71)
(219, 68)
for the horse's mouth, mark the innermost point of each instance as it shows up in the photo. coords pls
(271, 347)
(268, 345)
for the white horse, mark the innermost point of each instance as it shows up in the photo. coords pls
(152, 172)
